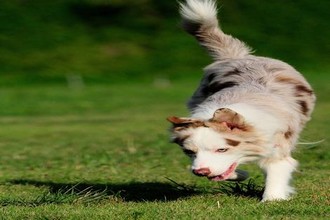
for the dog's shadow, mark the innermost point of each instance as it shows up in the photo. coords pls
(132, 191)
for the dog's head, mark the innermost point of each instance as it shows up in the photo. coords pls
(218, 145)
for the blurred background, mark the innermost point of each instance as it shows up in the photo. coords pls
(113, 41)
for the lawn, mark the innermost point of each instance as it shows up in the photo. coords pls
(101, 151)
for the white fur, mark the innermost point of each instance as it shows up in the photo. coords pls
(208, 141)
(278, 175)
(200, 11)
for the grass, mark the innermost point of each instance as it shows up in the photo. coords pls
(101, 151)
(122, 40)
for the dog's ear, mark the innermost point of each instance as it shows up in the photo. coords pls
(230, 119)
(181, 123)
(177, 121)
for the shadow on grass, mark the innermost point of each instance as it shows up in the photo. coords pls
(133, 191)
(59, 193)
(249, 189)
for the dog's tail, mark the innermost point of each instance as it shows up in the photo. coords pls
(200, 19)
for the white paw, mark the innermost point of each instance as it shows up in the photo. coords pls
(274, 197)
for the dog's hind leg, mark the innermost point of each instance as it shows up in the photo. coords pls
(278, 176)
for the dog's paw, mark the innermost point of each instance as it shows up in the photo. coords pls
(270, 198)
(278, 194)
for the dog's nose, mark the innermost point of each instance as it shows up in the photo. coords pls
(202, 171)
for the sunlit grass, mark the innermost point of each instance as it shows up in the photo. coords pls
(102, 151)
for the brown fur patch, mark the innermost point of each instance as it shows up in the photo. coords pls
(232, 142)
(288, 134)
(285, 79)
(184, 123)
(219, 127)
(303, 89)
(231, 119)
(303, 107)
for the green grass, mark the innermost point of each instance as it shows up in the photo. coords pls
(101, 151)
(47, 41)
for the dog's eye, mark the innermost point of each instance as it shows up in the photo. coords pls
(189, 152)
(221, 150)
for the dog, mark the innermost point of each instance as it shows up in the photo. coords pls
(247, 108)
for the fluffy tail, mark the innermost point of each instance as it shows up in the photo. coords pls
(200, 19)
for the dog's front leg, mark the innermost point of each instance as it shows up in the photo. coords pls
(278, 175)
